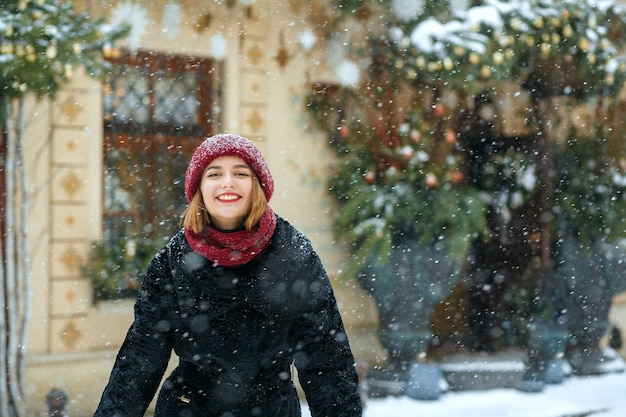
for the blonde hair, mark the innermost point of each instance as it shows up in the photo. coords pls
(196, 217)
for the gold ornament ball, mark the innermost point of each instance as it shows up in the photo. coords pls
(584, 44)
(485, 71)
(498, 58)
(568, 31)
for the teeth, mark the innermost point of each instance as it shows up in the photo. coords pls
(228, 197)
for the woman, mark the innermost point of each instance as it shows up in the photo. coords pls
(239, 295)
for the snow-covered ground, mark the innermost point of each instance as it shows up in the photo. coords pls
(596, 396)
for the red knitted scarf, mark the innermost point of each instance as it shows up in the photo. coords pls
(234, 248)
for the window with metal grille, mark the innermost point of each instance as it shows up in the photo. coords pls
(157, 110)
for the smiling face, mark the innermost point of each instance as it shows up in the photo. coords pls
(226, 188)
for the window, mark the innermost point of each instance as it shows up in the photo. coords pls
(157, 110)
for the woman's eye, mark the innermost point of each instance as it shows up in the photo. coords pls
(243, 174)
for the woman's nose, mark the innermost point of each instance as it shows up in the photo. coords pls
(227, 180)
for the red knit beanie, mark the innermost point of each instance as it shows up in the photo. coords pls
(227, 144)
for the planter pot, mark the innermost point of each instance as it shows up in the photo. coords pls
(547, 342)
(403, 346)
(546, 345)
(593, 276)
(406, 288)
(585, 354)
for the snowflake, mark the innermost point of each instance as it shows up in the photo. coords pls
(170, 23)
(133, 15)
(307, 40)
(348, 73)
(219, 47)
(407, 10)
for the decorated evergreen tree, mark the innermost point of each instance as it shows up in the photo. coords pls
(399, 173)
(406, 207)
(42, 42)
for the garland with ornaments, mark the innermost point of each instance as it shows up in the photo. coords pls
(526, 40)
(43, 41)
(460, 47)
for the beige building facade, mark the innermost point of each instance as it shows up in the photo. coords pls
(266, 74)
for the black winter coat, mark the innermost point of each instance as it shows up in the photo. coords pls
(236, 332)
